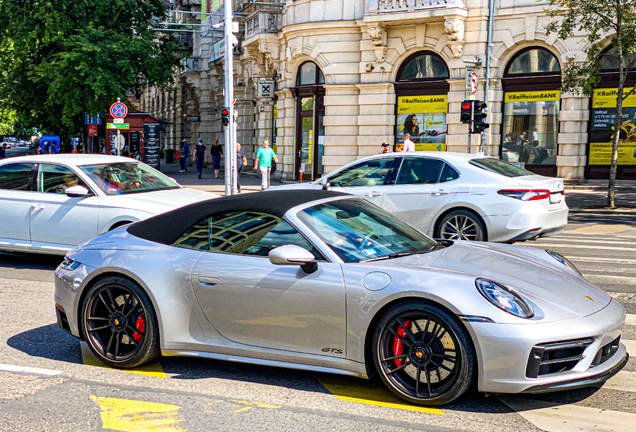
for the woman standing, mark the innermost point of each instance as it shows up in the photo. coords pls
(200, 156)
(216, 152)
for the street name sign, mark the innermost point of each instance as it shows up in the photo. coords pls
(117, 125)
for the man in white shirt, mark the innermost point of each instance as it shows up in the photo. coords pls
(409, 146)
(535, 137)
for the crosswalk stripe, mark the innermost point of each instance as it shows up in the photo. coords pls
(553, 245)
(605, 278)
(584, 240)
(630, 320)
(28, 370)
(624, 381)
(602, 260)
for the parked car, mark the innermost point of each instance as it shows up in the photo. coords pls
(18, 151)
(328, 282)
(51, 203)
(455, 195)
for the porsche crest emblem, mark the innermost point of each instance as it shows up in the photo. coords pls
(117, 321)
(589, 298)
(419, 354)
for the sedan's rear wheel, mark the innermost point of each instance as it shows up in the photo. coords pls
(461, 225)
(119, 323)
(423, 354)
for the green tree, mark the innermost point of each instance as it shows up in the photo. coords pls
(603, 23)
(61, 58)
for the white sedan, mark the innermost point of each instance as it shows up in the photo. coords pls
(52, 203)
(455, 195)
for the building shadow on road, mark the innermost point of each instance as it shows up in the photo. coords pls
(48, 342)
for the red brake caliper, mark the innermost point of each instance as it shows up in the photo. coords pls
(140, 325)
(398, 345)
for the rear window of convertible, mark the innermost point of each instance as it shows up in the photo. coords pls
(500, 167)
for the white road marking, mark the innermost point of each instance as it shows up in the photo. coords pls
(630, 320)
(25, 369)
(630, 345)
(597, 277)
(549, 245)
(601, 260)
(624, 381)
(585, 240)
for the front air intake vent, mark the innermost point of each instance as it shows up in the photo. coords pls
(555, 357)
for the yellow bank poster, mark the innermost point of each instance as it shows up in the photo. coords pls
(533, 96)
(424, 119)
(606, 98)
(601, 153)
(602, 129)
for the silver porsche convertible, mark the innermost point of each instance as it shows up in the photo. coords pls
(323, 281)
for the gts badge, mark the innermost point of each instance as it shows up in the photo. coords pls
(332, 350)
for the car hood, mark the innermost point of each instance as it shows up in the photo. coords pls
(157, 202)
(548, 284)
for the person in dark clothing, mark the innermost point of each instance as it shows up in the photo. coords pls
(524, 151)
(3, 154)
(241, 160)
(216, 151)
(183, 154)
(200, 156)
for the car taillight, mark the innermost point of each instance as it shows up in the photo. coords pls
(525, 194)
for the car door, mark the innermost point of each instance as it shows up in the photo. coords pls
(15, 204)
(367, 179)
(249, 300)
(422, 188)
(58, 221)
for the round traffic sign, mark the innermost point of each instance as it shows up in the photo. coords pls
(119, 142)
(118, 110)
(474, 82)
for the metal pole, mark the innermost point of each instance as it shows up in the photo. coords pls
(230, 147)
(469, 138)
(234, 161)
(491, 14)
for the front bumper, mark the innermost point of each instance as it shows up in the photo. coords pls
(504, 351)
(67, 284)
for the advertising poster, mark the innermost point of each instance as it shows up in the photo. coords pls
(424, 118)
(602, 128)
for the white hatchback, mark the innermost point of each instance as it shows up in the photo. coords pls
(52, 203)
(455, 195)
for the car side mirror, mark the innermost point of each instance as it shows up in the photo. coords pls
(293, 255)
(77, 192)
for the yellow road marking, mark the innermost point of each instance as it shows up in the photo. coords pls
(368, 393)
(152, 370)
(137, 416)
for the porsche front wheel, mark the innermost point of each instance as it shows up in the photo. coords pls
(119, 323)
(423, 354)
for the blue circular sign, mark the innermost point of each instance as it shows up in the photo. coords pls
(118, 110)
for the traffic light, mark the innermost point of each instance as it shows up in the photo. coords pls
(467, 108)
(185, 116)
(225, 116)
(479, 117)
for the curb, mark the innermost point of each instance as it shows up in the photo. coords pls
(601, 211)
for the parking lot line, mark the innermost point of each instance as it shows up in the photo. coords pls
(28, 370)
(153, 369)
(368, 393)
(137, 416)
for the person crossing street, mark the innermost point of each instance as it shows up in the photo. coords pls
(263, 163)
(241, 160)
(200, 156)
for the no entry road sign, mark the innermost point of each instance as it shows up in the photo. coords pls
(118, 110)
(474, 82)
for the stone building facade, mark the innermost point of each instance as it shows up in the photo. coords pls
(348, 75)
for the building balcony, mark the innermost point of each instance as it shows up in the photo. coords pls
(399, 10)
(262, 22)
(190, 65)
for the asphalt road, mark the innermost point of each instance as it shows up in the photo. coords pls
(50, 382)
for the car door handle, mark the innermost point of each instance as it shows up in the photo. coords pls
(38, 207)
(373, 194)
(208, 281)
(440, 192)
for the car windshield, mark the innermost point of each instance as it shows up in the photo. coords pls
(500, 167)
(359, 231)
(127, 178)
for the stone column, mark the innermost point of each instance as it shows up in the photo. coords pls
(286, 125)
(341, 125)
(376, 120)
(574, 116)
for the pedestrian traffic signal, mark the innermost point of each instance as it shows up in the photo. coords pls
(185, 116)
(225, 116)
(467, 108)
(479, 117)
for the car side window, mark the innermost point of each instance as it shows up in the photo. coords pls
(420, 171)
(243, 233)
(16, 176)
(370, 173)
(56, 179)
(448, 174)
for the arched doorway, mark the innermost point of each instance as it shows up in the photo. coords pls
(601, 124)
(532, 101)
(422, 101)
(310, 114)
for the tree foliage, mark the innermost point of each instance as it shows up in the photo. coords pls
(61, 58)
(603, 23)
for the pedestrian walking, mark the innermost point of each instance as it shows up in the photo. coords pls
(241, 161)
(200, 156)
(216, 151)
(3, 154)
(409, 146)
(263, 163)
(183, 155)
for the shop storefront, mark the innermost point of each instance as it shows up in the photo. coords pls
(422, 101)
(532, 102)
(141, 138)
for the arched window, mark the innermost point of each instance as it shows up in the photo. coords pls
(609, 60)
(309, 74)
(423, 66)
(534, 61)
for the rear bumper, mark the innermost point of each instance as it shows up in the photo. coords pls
(529, 221)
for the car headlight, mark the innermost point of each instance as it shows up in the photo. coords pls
(69, 264)
(563, 260)
(504, 298)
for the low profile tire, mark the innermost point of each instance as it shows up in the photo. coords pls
(119, 323)
(461, 225)
(423, 354)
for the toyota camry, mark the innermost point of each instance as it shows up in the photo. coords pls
(325, 281)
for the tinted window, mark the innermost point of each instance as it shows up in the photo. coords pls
(127, 177)
(448, 174)
(420, 171)
(424, 66)
(369, 173)
(500, 167)
(244, 233)
(534, 61)
(56, 179)
(15, 176)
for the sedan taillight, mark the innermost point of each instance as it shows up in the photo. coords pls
(525, 194)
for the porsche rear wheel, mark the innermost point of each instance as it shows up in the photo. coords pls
(423, 354)
(119, 323)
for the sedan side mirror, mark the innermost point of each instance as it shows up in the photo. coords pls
(293, 255)
(77, 192)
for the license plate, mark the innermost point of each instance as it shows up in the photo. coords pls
(556, 199)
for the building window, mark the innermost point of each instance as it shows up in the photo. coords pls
(309, 74)
(422, 101)
(532, 101)
(310, 112)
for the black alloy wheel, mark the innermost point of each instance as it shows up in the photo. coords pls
(423, 354)
(119, 323)
(461, 225)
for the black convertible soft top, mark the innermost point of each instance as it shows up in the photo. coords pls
(166, 228)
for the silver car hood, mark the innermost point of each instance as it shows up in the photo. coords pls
(540, 280)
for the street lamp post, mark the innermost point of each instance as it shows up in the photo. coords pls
(230, 147)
